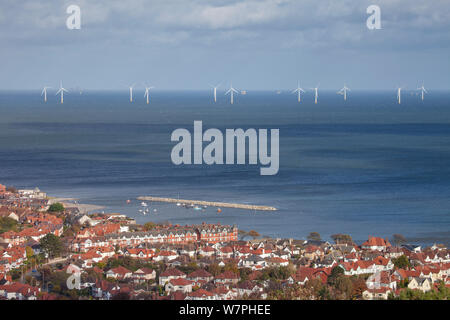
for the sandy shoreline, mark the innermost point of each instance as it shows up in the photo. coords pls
(71, 203)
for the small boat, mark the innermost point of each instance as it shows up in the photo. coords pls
(178, 204)
(154, 210)
(128, 201)
(144, 204)
(140, 210)
(219, 210)
(197, 208)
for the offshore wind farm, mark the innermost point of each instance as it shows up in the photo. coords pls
(232, 91)
(350, 165)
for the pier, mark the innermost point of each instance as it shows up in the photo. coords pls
(209, 203)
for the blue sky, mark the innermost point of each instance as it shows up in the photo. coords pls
(258, 44)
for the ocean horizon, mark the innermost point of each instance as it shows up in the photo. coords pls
(367, 166)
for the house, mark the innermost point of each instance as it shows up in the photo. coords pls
(19, 291)
(207, 251)
(246, 288)
(143, 274)
(227, 278)
(225, 252)
(224, 293)
(188, 250)
(422, 284)
(383, 264)
(358, 267)
(200, 275)
(102, 290)
(253, 262)
(304, 274)
(170, 274)
(201, 294)
(375, 243)
(381, 293)
(277, 262)
(119, 273)
(382, 279)
(139, 253)
(165, 255)
(179, 284)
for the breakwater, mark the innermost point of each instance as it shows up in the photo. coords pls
(209, 203)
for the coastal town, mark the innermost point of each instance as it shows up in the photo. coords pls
(55, 251)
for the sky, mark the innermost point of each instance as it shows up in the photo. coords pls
(256, 44)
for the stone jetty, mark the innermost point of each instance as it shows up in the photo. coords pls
(208, 203)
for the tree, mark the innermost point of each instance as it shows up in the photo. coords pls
(56, 207)
(8, 224)
(359, 286)
(51, 245)
(11, 189)
(254, 234)
(231, 267)
(345, 286)
(398, 239)
(29, 251)
(401, 262)
(340, 238)
(149, 226)
(214, 269)
(314, 236)
(336, 272)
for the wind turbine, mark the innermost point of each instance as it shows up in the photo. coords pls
(316, 93)
(44, 92)
(399, 95)
(61, 90)
(343, 91)
(131, 92)
(147, 94)
(231, 91)
(299, 91)
(423, 91)
(215, 91)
